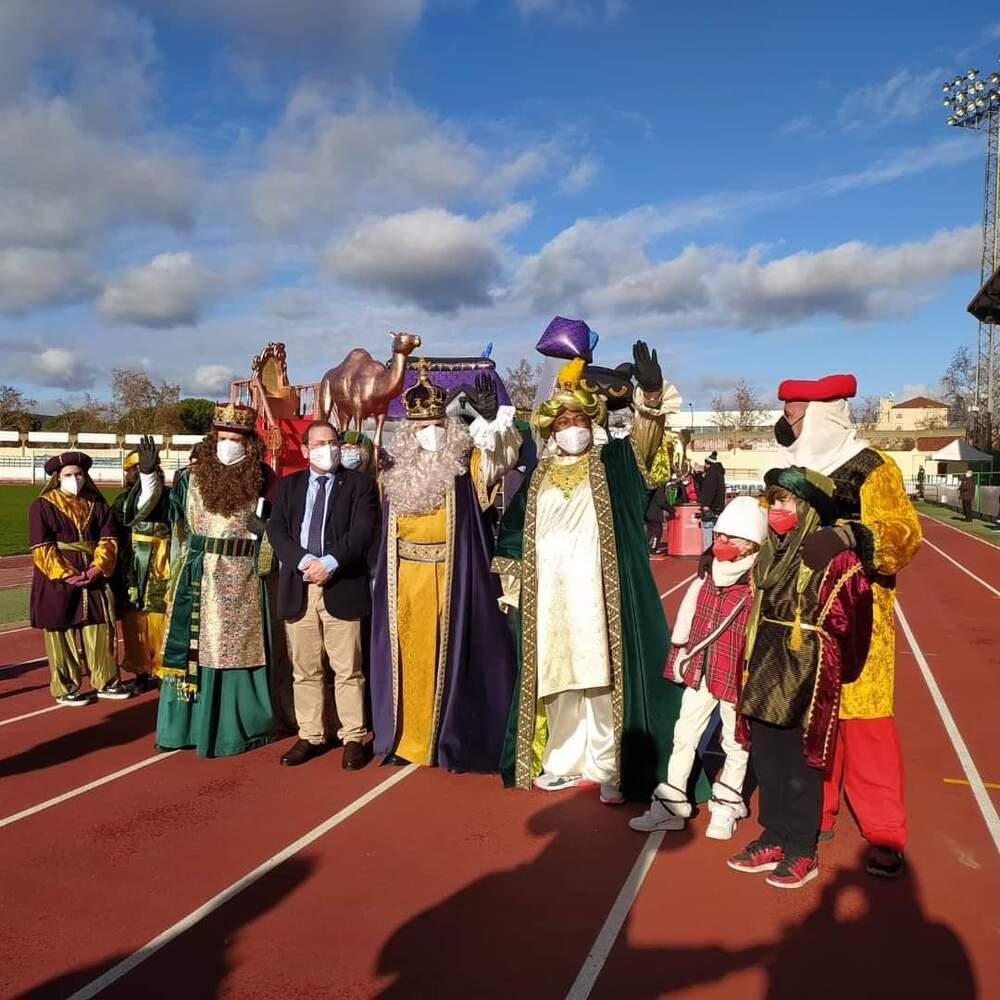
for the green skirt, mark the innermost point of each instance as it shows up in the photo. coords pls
(231, 715)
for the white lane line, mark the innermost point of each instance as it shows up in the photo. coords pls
(220, 899)
(11, 631)
(30, 715)
(37, 662)
(609, 932)
(90, 786)
(678, 586)
(965, 534)
(993, 590)
(975, 780)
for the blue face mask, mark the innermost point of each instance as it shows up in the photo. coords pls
(350, 459)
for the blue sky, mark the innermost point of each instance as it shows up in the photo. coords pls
(759, 193)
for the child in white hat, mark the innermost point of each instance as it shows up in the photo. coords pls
(706, 655)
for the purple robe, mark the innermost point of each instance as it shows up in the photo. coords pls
(480, 663)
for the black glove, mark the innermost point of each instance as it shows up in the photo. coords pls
(821, 546)
(487, 403)
(257, 525)
(705, 563)
(149, 454)
(647, 368)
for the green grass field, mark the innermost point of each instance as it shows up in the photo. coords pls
(980, 529)
(14, 605)
(14, 501)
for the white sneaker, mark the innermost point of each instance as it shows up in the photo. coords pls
(724, 817)
(611, 795)
(659, 816)
(557, 782)
(75, 700)
(115, 691)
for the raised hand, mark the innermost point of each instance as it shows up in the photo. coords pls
(647, 367)
(149, 454)
(487, 402)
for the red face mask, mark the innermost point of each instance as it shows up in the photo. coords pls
(782, 521)
(725, 550)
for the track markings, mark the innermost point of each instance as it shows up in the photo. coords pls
(993, 590)
(30, 715)
(966, 534)
(90, 786)
(677, 586)
(37, 662)
(983, 800)
(612, 926)
(961, 781)
(220, 899)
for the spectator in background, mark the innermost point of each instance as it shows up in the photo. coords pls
(655, 509)
(967, 493)
(712, 495)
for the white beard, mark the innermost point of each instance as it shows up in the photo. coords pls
(419, 480)
(828, 438)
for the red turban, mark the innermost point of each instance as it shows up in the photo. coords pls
(819, 390)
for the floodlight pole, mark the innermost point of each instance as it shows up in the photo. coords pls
(975, 104)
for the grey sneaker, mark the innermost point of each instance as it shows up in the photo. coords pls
(115, 691)
(75, 700)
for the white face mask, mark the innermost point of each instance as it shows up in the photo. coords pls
(71, 485)
(574, 440)
(350, 459)
(230, 452)
(432, 437)
(325, 456)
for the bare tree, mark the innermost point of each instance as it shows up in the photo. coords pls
(722, 415)
(15, 409)
(522, 383)
(959, 384)
(866, 413)
(90, 414)
(140, 404)
(748, 405)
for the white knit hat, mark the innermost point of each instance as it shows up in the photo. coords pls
(743, 518)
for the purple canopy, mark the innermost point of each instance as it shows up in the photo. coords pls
(566, 338)
(449, 373)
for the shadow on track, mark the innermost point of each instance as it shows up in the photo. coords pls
(131, 722)
(22, 690)
(197, 963)
(500, 936)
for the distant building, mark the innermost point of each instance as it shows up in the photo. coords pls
(917, 414)
(726, 421)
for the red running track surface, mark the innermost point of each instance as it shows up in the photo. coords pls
(448, 886)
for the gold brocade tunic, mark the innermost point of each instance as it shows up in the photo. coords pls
(420, 598)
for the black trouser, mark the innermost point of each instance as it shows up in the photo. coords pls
(791, 792)
(654, 532)
(967, 509)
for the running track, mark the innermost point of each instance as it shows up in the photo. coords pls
(415, 883)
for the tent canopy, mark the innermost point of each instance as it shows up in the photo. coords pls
(960, 451)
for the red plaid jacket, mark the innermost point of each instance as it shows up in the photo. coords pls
(722, 659)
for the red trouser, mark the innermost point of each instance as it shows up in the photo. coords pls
(868, 762)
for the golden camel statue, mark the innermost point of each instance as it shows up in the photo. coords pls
(360, 387)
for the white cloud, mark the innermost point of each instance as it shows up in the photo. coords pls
(53, 367)
(171, 290)
(211, 378)
(327, 37)
(903, 96)
(573, 11)
(31, 277)
(797, 126)
(581, 175)
(430, 257)
(292, 304)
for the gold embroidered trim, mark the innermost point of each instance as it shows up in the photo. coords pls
(527, 705)
(566, 477)
(640, 463)
(449, 564)
(392, 593)
(423, 552)
(612, 593)
(502, 564)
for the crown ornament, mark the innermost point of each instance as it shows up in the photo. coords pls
(234, 417)
(424, 400)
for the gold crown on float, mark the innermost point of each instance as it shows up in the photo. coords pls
(424, 400)
(234, 417)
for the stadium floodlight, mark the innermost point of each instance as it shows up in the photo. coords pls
(980, 85)
(994, 77)
(971, 74)
(951, 119)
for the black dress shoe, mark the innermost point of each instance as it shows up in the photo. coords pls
(885, 862)
(355, 756)
(301, 751)
(395, 760)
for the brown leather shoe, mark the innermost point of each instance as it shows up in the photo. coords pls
(301, 751)
(355, 756)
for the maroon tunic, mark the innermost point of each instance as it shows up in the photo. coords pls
(85, 522)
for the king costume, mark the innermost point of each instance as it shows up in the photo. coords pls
(878, 522)
(74, 549)
(214, 694)
(442, 659)
(590, 702)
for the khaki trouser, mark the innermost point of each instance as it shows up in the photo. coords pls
(65, 665)
(142, 637)
(314, 632)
